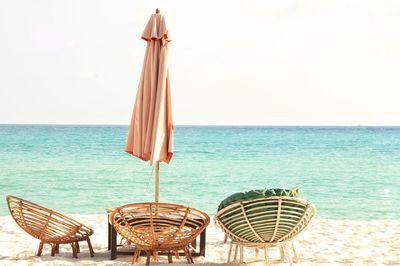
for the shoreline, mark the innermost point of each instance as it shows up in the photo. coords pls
(324, 242)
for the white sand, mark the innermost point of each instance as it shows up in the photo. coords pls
(325, 242)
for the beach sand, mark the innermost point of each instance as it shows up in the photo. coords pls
(325, 242)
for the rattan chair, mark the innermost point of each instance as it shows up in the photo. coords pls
(49, 226)
(264, 223)
(159, 227)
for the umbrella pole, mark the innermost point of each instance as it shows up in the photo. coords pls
(157, 183)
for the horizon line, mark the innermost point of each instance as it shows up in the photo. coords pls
(204, 125)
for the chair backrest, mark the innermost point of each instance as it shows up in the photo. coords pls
(43, 223)
(159, 226)
(266, 220)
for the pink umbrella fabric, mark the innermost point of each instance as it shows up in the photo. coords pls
(151, 132)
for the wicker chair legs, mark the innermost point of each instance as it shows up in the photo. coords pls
(77, 247)
(169, 256)
(154, 254)
(236, 252)
(296, 257)
(230, 252)
(241, 255)
(136, 255)
(148, 254)
(284, 252)
(237, 248)
(90, 247)
(39, 252)
(74, 251)
(55, 249)
(289, 257)
(188, 256)
(266, 256)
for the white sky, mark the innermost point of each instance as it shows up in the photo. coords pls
(282, 62)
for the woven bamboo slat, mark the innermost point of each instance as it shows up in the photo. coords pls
(265, 222)
(155, 227)
(49, 226)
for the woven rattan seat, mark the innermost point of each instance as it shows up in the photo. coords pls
(49, 226)
(155, 227)
(265, 222)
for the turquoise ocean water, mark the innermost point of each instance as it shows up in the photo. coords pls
(347, 172)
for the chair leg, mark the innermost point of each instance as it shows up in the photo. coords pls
(169, 256)
(257, 252)
(155, 255)
(296, 257)
(236, 252)
(135, 256)
(230, 252)
(148, 255)
(241, 254)
(225, 238)
(282, 251)
(177, 254)
(39, 252)
(78, 250)
(266, 255)
(53, 249)
(188, 256)
(288, 254)
(57, 248)
(90, 247)
(74, 254)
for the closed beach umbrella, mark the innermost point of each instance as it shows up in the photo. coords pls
(151, 132)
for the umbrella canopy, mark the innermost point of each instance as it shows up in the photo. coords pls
(151, 132)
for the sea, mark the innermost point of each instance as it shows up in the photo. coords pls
(347, 172)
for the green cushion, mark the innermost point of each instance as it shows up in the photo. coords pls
(257, 194)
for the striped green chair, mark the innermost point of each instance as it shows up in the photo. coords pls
(265, 222)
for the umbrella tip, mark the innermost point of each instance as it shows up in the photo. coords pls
(157, 10)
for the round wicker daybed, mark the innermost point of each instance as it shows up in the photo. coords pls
(265, 222)
(49, 226)
(159, 227)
